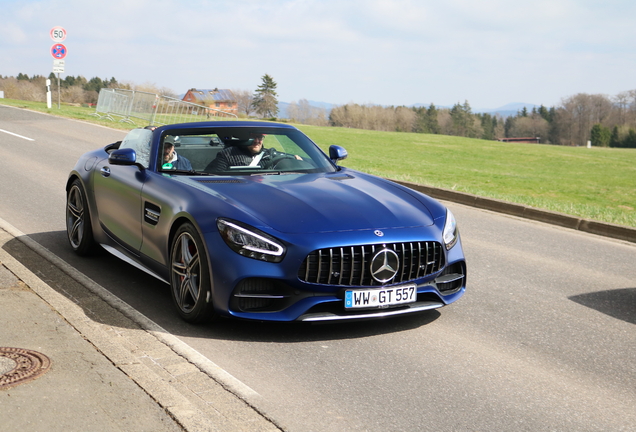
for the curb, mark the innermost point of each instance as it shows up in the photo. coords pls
(619, 232)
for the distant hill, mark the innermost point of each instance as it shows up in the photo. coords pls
(282, 107)
(507, 110)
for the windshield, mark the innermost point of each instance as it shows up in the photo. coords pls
(231, 151)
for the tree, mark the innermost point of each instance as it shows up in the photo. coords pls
(265, 101)
(630, 139)
(303, 112)
(545, 113)
(578, 113)
(488, 124)
(615, 139)
(463, 122)
(432, 124)
(95, 84)
(533, 126)
(600, 135)
(244, 99)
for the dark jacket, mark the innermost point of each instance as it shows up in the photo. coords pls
(239, 156)
(181, 163)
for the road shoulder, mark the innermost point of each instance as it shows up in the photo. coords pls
(187, 392)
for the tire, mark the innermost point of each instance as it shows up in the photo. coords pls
(190, 277)
(79, 230)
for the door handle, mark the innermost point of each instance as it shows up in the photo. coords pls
(105, 171)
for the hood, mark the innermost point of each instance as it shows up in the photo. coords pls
(314, 203)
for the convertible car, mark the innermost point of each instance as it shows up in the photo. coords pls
(252, 220)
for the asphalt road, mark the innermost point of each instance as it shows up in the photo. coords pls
(543, 340)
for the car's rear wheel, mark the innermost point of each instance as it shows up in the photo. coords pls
(79, 230)
(190, 276)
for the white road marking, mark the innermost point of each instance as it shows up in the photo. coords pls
(19, 136)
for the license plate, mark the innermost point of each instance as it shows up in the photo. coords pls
(380, 297)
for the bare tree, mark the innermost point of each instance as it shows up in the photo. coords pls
(73, 94)
(303, 112)
(577, 114)
(244, 98)
(531, 126)
(404, 119)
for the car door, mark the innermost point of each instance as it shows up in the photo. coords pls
(117, 190)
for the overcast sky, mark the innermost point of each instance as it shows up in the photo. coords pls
(390, 52)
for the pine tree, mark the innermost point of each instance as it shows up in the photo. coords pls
(543, 112)
(432, 124)
(630, 139)
(265, 101)
(600, 136)
(615, 140)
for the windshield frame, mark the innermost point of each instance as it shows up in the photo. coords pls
(301, 155)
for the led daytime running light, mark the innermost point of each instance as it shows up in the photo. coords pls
(450, 234)
(245, 239)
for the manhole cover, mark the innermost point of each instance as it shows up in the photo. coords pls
(19, 365)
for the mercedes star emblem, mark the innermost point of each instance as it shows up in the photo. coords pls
(385, 265)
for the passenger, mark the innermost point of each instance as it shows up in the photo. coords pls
(246, 153)
(171, 160)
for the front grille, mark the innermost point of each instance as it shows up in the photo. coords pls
(351, 265)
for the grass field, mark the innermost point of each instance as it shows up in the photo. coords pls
(596, 183)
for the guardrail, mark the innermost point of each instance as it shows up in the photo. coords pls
(152, 108)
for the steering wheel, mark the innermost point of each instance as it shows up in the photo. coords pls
(276, 160)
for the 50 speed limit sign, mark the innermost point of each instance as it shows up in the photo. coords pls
(58, 34)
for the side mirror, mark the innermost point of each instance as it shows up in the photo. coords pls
(125, 156)
(337, 153)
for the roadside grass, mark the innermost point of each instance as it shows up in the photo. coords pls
(70, 111)
(596, 183)
(88, 114)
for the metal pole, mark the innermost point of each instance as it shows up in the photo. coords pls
(58, 90)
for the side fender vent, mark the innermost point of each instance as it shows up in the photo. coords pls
(151, 213)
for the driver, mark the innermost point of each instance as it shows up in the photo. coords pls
(249, 153)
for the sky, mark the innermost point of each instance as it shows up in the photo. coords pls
(388, 52)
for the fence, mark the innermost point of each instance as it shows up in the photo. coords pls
(151, 108)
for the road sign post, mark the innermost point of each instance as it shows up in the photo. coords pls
(58, 51)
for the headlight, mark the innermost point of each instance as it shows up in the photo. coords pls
(450, 233)
(250, 242)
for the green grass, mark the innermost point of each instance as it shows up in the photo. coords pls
(69, 111)
(597, 183)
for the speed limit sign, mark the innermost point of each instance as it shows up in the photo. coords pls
(58, 34)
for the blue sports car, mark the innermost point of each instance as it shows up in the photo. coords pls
(252, 220)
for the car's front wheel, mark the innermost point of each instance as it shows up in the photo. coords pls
(79, 230)
(190, 276)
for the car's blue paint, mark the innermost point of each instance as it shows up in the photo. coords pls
(304, 211)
